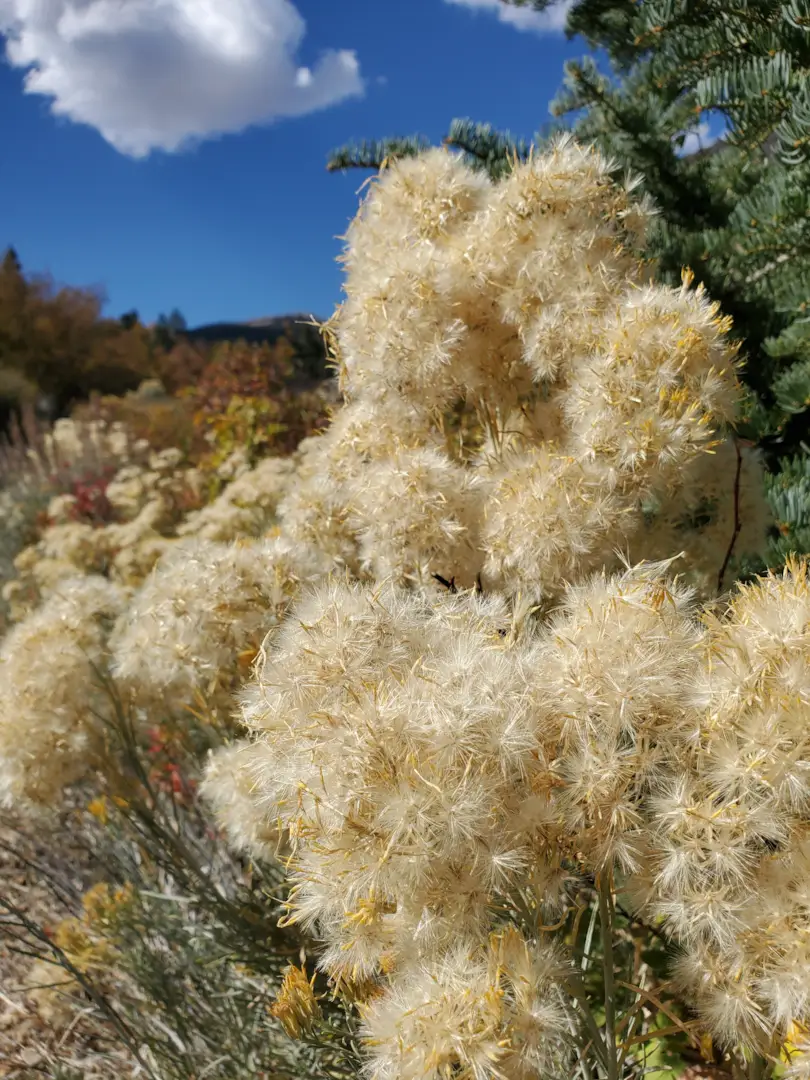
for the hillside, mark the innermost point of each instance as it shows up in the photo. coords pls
(297, 327)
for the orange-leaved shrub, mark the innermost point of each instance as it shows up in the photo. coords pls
(251, 397)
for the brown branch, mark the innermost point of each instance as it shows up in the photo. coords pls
(449, 585)
(654, 930)
(656, 1000)
(737, 522)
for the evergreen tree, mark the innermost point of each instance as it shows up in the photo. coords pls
(176, 321)
(740, 218)
(11, 261)
(168, 328)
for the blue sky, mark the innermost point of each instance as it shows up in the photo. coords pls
(243, 224)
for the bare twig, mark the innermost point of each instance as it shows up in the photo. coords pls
(737, 521)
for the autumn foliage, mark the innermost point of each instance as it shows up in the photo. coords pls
(57, 339)
(251, 397)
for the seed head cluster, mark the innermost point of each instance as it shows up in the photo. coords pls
(48, 730)
(494, 657)
(522, 402)
(421, 756)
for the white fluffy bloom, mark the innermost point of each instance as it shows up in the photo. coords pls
(229, 789)
(660, 382)
(729, 848)
(475, 1013)
(197, 622)
(81, 446)
(616, 667)
(423, 754)
(552, 242)
(510, 327)
(395, 728)
(50, 688)
(428, 521)
(397, 333)
(716, 514)
(551, 518)
(246, 506)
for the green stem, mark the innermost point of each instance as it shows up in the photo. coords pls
(758, 1068)
(606, 926)
(576, 989)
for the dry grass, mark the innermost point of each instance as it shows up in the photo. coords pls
(39, 873)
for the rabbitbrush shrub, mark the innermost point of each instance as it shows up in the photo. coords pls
(536, 771)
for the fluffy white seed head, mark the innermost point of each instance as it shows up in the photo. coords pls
(246, 506)
(478, 1013)
(229, 790)
(51, 667)
(195, 625)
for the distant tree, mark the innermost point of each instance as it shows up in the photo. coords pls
(176, 321)
(246, 397)
(58, 340)
(167, 328)
(180, 363)
(11, 260)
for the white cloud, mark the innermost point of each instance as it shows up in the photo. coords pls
(161, 74)
(524, 18)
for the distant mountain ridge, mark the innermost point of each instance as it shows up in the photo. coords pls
(297, 327)
(268, 328)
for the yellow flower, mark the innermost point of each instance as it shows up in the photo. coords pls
(98, 808)
(296, 1006)
(706, 1047)
(100, 904)
(797, 1042)
(96, 901)
(82, 949)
